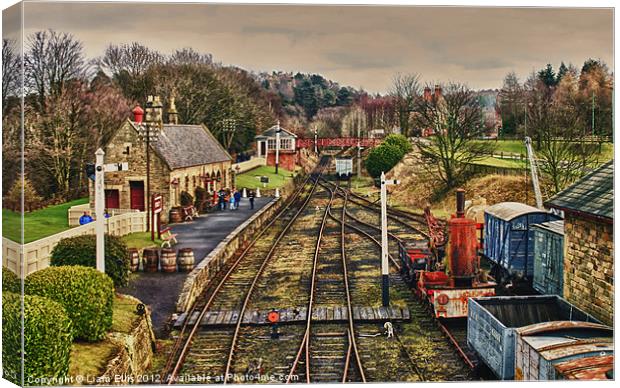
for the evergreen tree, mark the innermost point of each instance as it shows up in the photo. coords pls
(547, 76)
(561, 73)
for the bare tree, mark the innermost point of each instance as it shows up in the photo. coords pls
(556, 121)
(457, 121)
(52, 60)
(11, 72)
(405, 90)
(188, 56)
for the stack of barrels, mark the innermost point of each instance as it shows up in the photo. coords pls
(164, 260)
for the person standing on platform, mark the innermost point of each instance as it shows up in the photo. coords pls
(237, 196)
(251, 196)
(222, 199)
(232, 201)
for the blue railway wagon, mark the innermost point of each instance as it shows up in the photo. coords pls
(548, 276)
(493, 324)
(509, 239)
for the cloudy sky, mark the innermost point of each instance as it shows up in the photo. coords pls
(353, 45)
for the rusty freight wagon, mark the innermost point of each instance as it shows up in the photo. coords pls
(493, 325)
(555, 350)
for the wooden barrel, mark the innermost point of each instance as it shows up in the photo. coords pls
(168, 260)
(186, 259)
(175, 215)
(134, 259)
(151, 259)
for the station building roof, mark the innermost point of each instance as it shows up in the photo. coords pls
(187, 145)
(271, 133)
(591, 196)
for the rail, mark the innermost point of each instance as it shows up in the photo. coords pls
(183, 342)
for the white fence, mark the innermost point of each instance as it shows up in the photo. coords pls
(36, 254)
(75, 212)
(249, 164)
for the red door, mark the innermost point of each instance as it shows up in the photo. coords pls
(136, 194)
(112, 199)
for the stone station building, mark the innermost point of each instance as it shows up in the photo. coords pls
(588, 207)
(182, 158)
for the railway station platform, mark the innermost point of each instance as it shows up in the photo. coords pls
(159, 290)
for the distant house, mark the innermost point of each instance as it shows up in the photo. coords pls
(266, 147)
(588, 207)
(183, 158)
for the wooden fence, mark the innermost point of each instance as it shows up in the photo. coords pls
(36, 255)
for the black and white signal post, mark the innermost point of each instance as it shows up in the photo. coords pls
(100, 170)
(385, 268)
(278, 130)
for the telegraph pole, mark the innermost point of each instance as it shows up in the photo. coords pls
(99, 210)
(385, 268)
(592, 113)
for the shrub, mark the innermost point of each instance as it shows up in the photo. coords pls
(10, 281)
(32, 200)
(382, 158)
(186, 198)
(399, 141)
(85, 293)
(47, 339)
(82, 250)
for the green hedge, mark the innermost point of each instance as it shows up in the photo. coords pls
(85, 293)
(382, 158)
(399, 141)
(47, 340)
(10, 281)
(82, 250)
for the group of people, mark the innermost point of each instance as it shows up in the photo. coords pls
(231, 199)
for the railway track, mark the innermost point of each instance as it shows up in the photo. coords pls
(236, 284)
(317, 351)
(327, 352)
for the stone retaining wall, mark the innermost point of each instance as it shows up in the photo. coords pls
(135, 353)
(200, 277)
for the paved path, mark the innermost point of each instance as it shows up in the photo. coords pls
(161, 290)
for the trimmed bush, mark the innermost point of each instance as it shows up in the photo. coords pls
(82, 250)
(47, 340)
(186, 199)
(382, 158)
(399, 141)
(10, 281)
(85, 293)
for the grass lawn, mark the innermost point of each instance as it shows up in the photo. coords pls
(512, 146)
(497, 162)
(251, 179)
(141, 240)
(39, 223)
(91, 358)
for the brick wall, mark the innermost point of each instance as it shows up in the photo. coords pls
(286, 160)
(589, 266)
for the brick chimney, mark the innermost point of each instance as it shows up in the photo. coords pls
(173, 115)
(427, 93)
(437, 92)
(138, 114)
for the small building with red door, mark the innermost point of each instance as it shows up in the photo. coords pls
(266, 147)
(183, 158)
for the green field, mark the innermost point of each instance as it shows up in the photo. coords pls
(141, 240)
(251, 179)
(39, 223)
